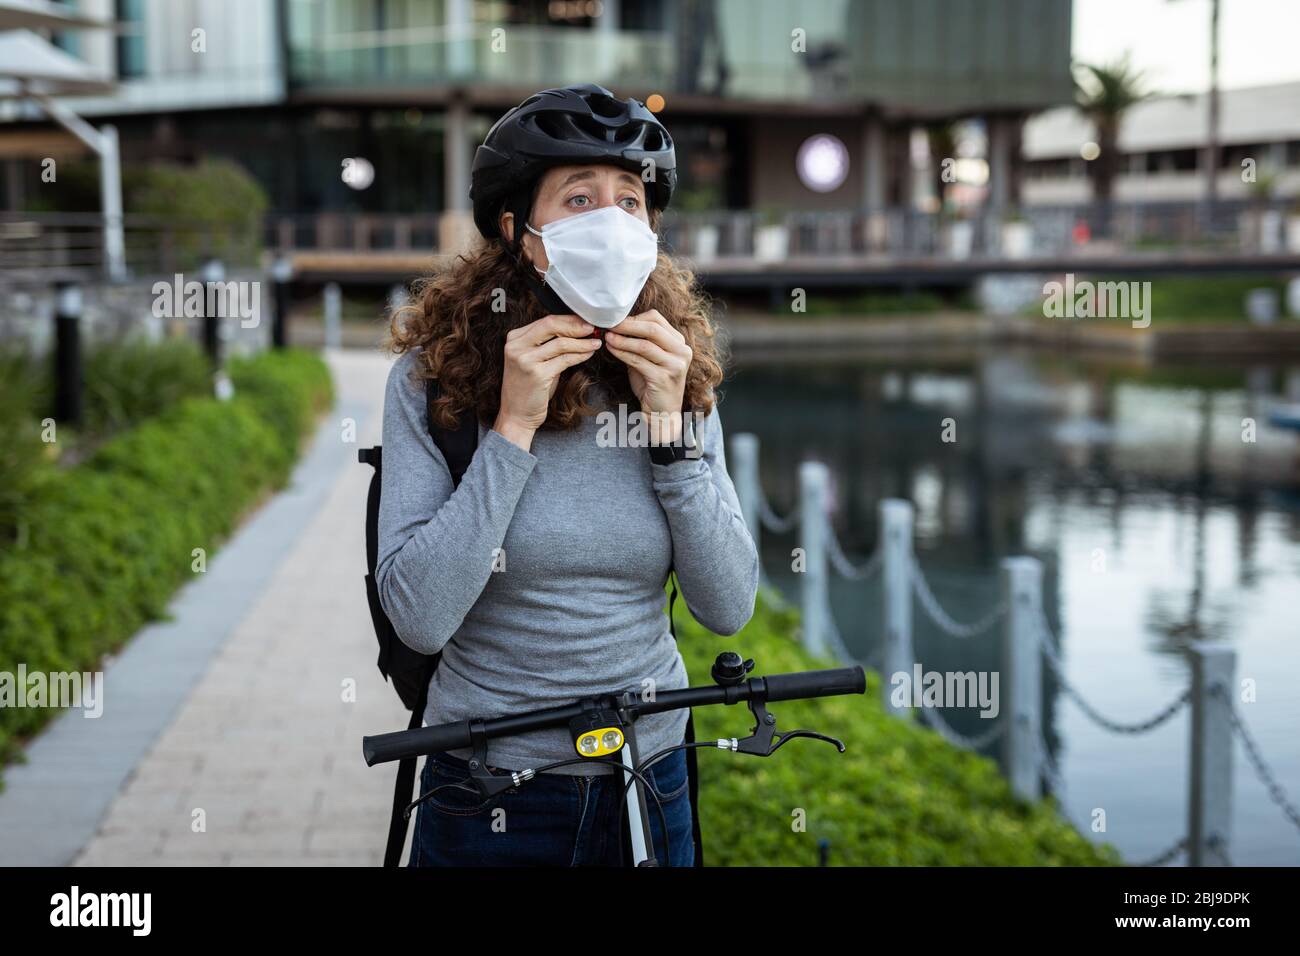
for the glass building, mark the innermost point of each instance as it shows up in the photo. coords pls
(292, 88)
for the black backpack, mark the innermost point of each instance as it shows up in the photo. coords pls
(409, 670)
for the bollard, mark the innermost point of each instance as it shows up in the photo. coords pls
(1022, 675)
(213, 272)
(333, 316)
(282, 276)
(815, 597)
(749, 488)
(68, 377)
(896, 581)
(1209, 812)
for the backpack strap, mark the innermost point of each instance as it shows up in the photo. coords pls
(456, 444)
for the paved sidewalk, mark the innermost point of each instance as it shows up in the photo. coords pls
(260, 763)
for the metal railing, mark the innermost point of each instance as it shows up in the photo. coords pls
(43, 248)
(1026, 641)
(52, 246)
(762, 236)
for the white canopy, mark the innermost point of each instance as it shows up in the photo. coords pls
(27, 59)
(40, 14)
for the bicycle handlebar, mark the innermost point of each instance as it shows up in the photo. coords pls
(384, 748)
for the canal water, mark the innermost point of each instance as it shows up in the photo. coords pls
(1156, 522)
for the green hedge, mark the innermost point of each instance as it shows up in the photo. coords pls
(22, 453)
(129, 382)
(126, 383)
(899, 795)
(108, 542)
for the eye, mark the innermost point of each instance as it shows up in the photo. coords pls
(585, 201)
(630, 203)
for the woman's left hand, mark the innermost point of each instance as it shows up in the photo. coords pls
(657, 357)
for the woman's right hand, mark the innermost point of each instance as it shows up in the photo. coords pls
(535, 355)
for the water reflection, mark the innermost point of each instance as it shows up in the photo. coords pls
(1156, 522)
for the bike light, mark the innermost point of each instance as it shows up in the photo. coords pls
(596, 734)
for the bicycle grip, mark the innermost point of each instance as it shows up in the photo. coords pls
(384, 748)
(827, 683)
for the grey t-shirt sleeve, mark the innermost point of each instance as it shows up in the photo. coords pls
(436, 545)
(714, 555)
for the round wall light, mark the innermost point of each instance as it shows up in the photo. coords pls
(358, 172)
(822, 162)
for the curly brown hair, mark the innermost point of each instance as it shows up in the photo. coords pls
(461, 315)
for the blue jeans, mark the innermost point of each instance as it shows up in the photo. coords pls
(551, 820)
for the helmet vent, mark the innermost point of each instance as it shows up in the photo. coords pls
(590, 127)
(554, 125)
(604, 106)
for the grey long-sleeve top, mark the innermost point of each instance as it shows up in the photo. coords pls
(541, 577)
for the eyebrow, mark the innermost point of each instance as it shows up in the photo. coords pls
(589, 174)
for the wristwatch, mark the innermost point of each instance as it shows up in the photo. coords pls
(679, 450)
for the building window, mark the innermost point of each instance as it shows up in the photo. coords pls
(130, 39)
(69, 41)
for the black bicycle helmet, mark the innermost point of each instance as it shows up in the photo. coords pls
(559, 127)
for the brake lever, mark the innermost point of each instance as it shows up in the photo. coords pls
(759, 742)
(782, 738)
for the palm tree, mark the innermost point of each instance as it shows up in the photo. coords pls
(1104, 94)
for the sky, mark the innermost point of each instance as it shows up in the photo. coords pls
(1259, 40)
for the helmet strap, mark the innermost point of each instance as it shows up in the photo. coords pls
(520, 204)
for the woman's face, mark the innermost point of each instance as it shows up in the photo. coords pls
(573, 190)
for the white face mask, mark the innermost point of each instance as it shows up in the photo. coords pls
(599, 262)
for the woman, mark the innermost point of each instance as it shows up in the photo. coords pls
(541, 576)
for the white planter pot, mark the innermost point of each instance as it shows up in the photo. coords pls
(1261, 306)
(705, 243)
(1017, 240)
(771, 243)
(961, 237)
(1293, 234)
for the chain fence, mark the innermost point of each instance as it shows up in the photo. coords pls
(1262, 770)
(945, 730)
(1166, 856)
(1051, 771)
(772, 521)
(941, 618)
(846, 568)
(1048, 642)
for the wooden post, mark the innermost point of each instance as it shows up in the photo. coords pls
(815, 604)
(896, 581)
(68, 376)
(1209, 813)
(1022, 676)
(744, 474)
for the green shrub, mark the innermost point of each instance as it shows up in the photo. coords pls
(22, 453)
(111, 540)
(899, 795)
(127, 382)
(209, 203)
